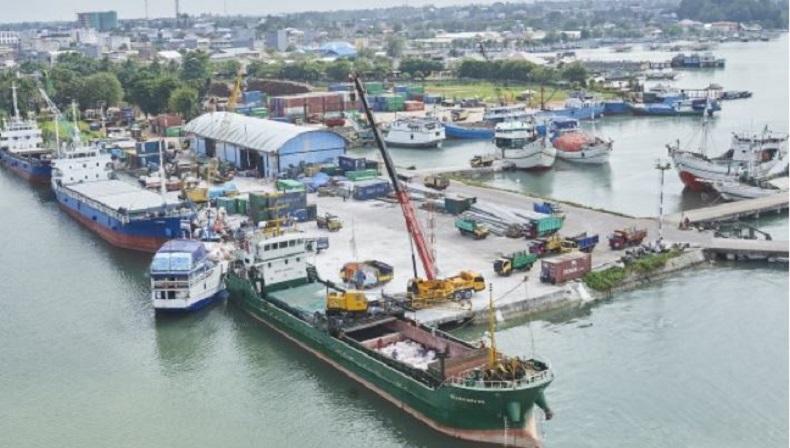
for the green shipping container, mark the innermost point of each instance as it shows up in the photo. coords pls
(374, 87)
(229, 204)
(259, 112)
(289, 185)
(241, 206)
(361, 175)
(174, 131)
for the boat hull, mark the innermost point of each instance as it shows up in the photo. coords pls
(31, 169)
(416, 145)
(533, 157)
(468, 132)
(146, 235)
(459, 412)
(593, 155)
(189, 306)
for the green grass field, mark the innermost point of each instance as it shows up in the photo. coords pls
(492, 92)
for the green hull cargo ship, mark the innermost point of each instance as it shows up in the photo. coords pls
(465, 391)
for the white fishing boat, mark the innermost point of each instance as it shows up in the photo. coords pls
(750, 156)
(510, 112)
(22, 147)
(734, 190)
(415, 133)
(574, 145)
(186, 275)
(522, 147)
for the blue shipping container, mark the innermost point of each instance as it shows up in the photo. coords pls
(371, 189)
(348, 163)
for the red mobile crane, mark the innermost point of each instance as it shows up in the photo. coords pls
(423, 292)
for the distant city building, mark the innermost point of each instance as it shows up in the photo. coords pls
(8, 38)
(102, 21)
(277, 40)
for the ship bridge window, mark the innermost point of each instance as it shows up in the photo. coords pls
(266, 247)
(292, 243)
(283, 244)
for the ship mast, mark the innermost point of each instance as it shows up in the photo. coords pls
(76, 124)
(16, 108)
(491, 328)
(56, 118)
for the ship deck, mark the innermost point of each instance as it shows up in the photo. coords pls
(116, 194)
(309, 298)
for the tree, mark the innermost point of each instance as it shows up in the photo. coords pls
(99, 88)
(227, 69)
(395, 45)
(151, 93)
(575, 72)
(195, 69)
(339, 70)
(260, 69)
(425, 66)
(184, 100)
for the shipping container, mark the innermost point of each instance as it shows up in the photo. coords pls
(242, 205)
(229, 204)
(361, 175)
(173, 131)
(148, 147)
(456, 205)
(565, 267)
(289, 185)
(349, 163)
(371, 189)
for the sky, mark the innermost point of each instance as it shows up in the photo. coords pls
(51, 10)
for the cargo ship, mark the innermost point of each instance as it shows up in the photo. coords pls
(22, 147)
(463, 390)
(121, 213)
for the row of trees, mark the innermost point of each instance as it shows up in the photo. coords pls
(772, 13)
(525, 71)
(317, 70)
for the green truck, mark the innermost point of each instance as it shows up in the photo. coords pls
(470, 227)
(517, 261)
(541, 224)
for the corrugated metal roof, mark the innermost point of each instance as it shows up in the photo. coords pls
(248, 132)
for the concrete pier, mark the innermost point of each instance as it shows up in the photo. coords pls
(775, 203)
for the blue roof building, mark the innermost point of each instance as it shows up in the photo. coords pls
(338, 49)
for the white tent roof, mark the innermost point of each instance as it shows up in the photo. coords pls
(248, 132)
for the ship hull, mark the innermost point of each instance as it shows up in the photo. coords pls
(535, 157)
(145, 235)
(31, 169)
(468, 132)
(698, 173)
(592, 155)
(457, 412)
(191, 306)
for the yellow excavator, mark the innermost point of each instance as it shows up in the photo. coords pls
(349, 301)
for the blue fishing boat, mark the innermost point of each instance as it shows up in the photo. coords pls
(472, 131)
(581, 109)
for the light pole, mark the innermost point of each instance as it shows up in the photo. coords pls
(662, 166)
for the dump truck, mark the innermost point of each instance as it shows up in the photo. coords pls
(437, 182)
(350, 301)
(548, 208)
(630, 236)
(541, 224)
(479, 160)
(565, 267)
(470, 227)
(424, 293)
(366, 274)
(554, 244)
(517, 261)
(329, 222)
(584, 242)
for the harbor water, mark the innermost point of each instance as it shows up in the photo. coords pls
(697, 360)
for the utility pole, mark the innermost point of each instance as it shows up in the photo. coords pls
(178, 14)
(662, 166)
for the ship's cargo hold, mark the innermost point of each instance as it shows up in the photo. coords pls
(366, 274)
(346, 302)
(437, 182)
(622, 238)
(472, 228)
(456, 204)
(371, 189)
(565, 267)
(517, 261)
(329, 222)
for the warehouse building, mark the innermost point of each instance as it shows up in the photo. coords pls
(266, 146)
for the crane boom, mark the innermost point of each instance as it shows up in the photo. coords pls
(412, 224)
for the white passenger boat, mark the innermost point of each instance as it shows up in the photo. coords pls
(522, 147)
(186, 276)
(415, 133)
(510, 112)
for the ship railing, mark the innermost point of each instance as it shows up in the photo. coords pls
(170, 284)
(471, 382)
